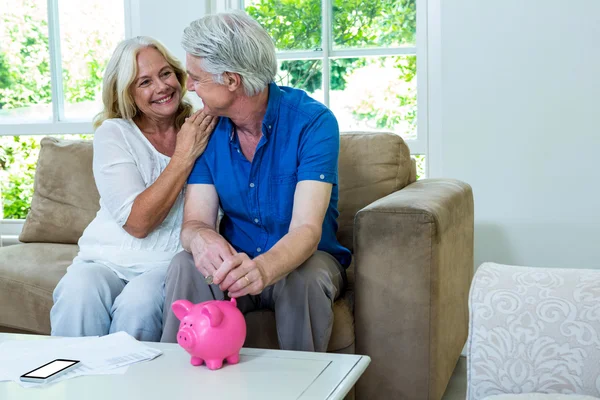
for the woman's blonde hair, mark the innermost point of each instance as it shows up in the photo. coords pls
(120, 74)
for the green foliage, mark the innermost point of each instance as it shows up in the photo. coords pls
(293, 24)
(296, 25)
(18, 158)
(25, 81)
(25, 66)
(368, 23)
(398, 102)
(421, 165)
(78, 90)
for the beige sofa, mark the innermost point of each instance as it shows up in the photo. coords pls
(406, 306)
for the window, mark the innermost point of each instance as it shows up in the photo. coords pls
(51, 62)
(358, 57)
(52, 58)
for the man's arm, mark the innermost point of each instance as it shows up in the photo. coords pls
(311, 200)
(317, 173)
(198, 233)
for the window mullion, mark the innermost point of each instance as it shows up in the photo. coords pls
(326, 35)
(56, 82)
(375, 52)
(300, 55)
(423, 77)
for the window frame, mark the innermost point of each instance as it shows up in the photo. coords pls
(326, 52)
(60, 125)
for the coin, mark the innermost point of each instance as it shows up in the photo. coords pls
(209, 279)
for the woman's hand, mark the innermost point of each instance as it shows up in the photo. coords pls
(193, 136)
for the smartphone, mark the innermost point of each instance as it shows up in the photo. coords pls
(50, 371)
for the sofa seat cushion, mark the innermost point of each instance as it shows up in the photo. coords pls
(28, 275)
(261, 332)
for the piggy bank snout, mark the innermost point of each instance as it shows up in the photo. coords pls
(186, 338)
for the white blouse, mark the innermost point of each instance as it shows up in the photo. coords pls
(125, 164)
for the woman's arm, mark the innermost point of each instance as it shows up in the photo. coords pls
(152, 206)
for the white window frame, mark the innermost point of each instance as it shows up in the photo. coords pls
(326, 52)
(60, 125)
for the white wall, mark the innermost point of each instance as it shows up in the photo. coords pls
(515, 99)
(165, 20)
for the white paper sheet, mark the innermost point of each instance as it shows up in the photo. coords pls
(110, 354)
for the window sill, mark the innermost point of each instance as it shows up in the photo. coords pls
(10, 230)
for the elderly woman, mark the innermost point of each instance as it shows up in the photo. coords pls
(272, 167)
(145, 145)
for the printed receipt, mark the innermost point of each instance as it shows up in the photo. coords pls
(110, 354)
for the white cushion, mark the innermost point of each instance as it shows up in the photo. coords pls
(533, 330)
(539, 396)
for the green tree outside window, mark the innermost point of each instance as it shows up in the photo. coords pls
(294, 25)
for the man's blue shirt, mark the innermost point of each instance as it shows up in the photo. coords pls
(300, 141)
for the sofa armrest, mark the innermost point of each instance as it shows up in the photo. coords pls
(532, 330)
(413, 267)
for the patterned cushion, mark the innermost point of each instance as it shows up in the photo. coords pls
(540, 396)
(533, 330)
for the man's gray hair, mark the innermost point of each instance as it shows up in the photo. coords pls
(233, 42)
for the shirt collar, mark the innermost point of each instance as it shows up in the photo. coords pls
(272, 108)
(270, 115)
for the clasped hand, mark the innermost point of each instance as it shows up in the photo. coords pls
(232, 271)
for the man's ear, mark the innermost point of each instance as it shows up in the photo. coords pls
(232, 80)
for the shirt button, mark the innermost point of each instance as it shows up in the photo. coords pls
(322, 176)
(252, 185)
(269, 126)
(256, 220)
(238, 150)
(258, 249)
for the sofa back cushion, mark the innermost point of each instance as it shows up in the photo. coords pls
(371, 166)
(65, 198)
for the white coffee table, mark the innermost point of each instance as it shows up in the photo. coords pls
(261, 374)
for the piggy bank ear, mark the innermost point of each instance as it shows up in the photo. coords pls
(181, 308)
(214, 314)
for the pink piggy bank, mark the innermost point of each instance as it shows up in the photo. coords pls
(211, 331)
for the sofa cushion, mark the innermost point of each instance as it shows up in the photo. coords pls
(539, 396)
(533, 329)
(371, 166)
(65, 198)
(28, 275)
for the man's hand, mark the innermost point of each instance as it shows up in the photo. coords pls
(241, 276)
(210, 250)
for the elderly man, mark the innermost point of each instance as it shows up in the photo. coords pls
(271, 165)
